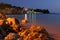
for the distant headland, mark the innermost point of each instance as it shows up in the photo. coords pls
(9, 9)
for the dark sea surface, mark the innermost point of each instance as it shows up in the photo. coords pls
(51, 22)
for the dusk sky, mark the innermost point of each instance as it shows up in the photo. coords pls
(51, 5)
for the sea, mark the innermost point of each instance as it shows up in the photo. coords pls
(51, 22)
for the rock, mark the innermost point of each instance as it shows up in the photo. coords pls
(10, 29)
(14, 23)
(5, 28)
(23, 21)
(13, 36)
(2, 16)
(1, 21)
(34, 33)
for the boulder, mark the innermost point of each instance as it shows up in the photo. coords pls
(14, 23)
(10, 29)
(13, 36)
(9, 25)
(35, 33)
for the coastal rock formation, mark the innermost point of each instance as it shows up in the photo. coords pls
(32, 33)
(11, 30)
(35, 33)
(14, 23)
(13, 36)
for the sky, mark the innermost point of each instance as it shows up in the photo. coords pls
(52, 5)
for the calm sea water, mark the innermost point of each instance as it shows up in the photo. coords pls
(51, 22)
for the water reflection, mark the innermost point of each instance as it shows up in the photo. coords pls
(32, 18)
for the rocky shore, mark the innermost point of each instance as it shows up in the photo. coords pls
(10, 29)
(32, 33)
